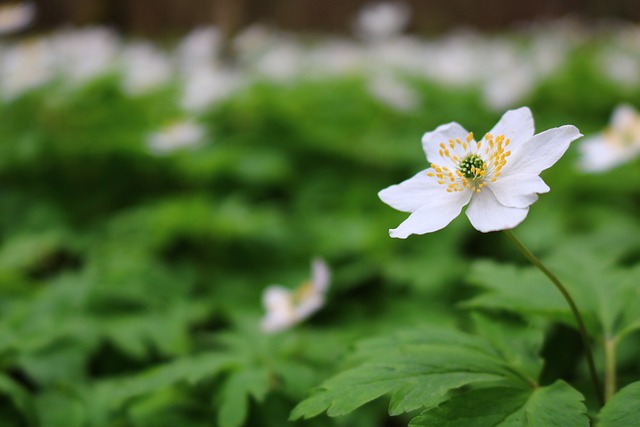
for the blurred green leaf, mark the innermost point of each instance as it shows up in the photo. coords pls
(20, 397)
(235, 393)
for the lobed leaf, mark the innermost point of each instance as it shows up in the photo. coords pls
(187, 369)
(417, 369)
(623, 410)
(556, 405)
(606, 294)
(235, 393)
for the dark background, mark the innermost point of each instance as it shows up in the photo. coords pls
(167, 17)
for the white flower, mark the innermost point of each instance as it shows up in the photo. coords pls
(507, 86)
(206, 84)
(199, 47)
(393, 92)
(617, 144)
(453, 59)
(178, 135)
(282, 61)
(15, 17)
(379, 21)
(286, 307)
(621, 67)
(144, 67)
(497, 176)
(334, 57)
(85, 54)
(26, 65)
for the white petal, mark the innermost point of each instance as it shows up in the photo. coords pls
(280, 311)
(308, 306)
(320, 275)
(487, 214)
(518, 191)
(276, 297)
(414, 193)
(431, 142)
(435, 214)
(623, 116)
(541, 151)
(517, 125)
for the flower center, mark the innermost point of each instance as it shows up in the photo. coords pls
(302, 292)
(472, 167)
(473, 164)
(622, 138)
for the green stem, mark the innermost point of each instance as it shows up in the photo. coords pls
(574, 309)
(609, 368)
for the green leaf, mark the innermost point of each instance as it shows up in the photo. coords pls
(58, 409)
(114, 393)
(623, 410)
(517, 344)
(20, 398)
(557, 405)
(237, 389)
(161, 407)
(516, 289)
(24, 251)
(605, 293)
(418, 368)
(61, 362)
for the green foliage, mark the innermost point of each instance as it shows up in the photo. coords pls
(131, 281)
(456, 376)
(606, 292)
(554, 405)
(237, 389)
(19, 397)
(622, 409)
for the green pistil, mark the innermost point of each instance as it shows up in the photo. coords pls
(471, 166)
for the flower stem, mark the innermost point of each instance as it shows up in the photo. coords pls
(574, 309)
(609, 368)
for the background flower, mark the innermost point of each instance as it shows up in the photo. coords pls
(286, 307)
(617, 144)
(175, 136)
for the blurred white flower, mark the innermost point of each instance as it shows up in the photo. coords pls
(16, 16)
(282, 61)
(405, 54)
(548, 53)
(617, 144)
(252, 40)
(207, 84)
(199, 47)
(392, 92)
(619, 66)
(334, 57)
(26, 65)
(508, 89)
(286, 307)
(144, 67)
(84, 54)
(454, 59)
(176, 136)
(383, 20)
(497, 176)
